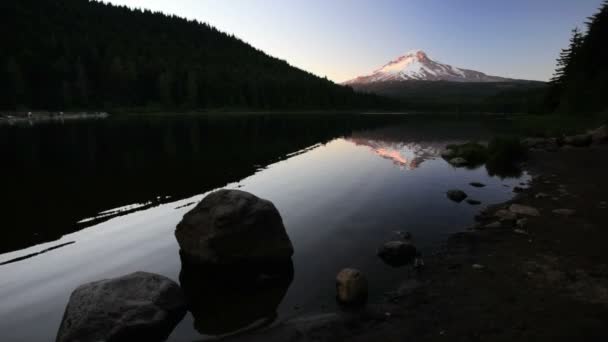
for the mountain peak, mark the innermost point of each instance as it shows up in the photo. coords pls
(417, 65)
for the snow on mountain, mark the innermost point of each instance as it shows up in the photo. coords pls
(416, 65)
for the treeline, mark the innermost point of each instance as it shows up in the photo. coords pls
(580, 84)
(513, 97)
(80, 54)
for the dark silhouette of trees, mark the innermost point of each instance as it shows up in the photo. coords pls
(81, 54)
(580, 83)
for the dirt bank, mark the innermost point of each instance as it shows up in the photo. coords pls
(546, 280)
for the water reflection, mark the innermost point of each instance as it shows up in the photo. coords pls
(71, 174)
(233, 299)
(407, 156)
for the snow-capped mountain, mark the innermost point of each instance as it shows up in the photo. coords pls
(416, 65)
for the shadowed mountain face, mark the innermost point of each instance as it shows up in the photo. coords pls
(417, 65)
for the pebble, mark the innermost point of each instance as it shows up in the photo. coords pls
(478, 267)
(564, 212)
(541, 195)
(521, 232)
(493, 225)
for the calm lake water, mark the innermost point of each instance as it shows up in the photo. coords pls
(88, 200)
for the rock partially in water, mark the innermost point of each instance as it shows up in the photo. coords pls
(448, 154)
(599, 135)
(137, 307)
(473, 202)
(230, 227)
(524, 210)
(351, 287)
(505, 215)
(398, 253)
(458, 161)
(228, 300)
(581, 140)
(457, 195)
(477, 185)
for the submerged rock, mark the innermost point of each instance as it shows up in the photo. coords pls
(473, 202)
(524, 210)
(477, 185)
(140, 306)
(351, 287)
(457, 195)
(230, 227)
(397, 253)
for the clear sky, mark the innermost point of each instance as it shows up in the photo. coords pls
(342, 39)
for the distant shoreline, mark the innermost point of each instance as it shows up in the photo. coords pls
(35, 117)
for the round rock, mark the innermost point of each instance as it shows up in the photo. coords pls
(137, 307)
(397, 253)
(231, 227)
(457, 195)
(351, 287)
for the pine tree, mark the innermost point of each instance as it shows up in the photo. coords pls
(564, 62)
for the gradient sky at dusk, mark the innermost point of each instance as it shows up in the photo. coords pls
(342, 39)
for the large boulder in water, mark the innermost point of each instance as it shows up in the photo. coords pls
(137, 307)
(232, 227)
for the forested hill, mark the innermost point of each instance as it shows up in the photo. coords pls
(80, 54)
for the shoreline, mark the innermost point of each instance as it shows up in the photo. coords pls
(12, 118)
(541, 278)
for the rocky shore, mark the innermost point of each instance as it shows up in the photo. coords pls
(532, 269)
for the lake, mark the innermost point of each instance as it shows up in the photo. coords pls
(88, 200)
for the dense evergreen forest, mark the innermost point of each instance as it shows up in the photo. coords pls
(580, 84)
(81, 54)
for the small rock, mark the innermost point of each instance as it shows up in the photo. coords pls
(459, 161)
(478, 267)
(457, 195)
(541, 195)
(505, 215)
(397, 253)
(603, 205)
(477, 185)
(493, 225)
(524, 210)
(518, 189)
(581, 140)
(564, 212)
(599, 135)
(522, 223)
(351, 286)
(521, 232)
(473, 202)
